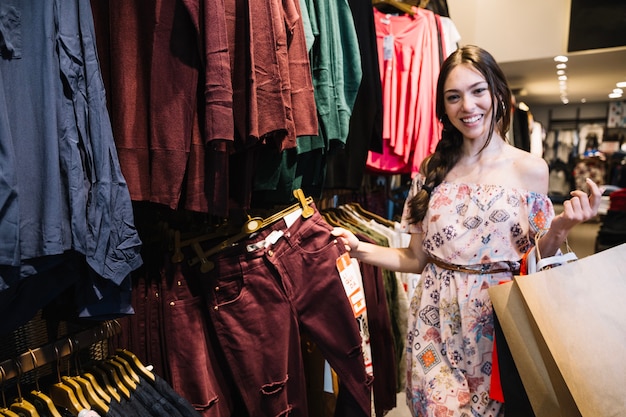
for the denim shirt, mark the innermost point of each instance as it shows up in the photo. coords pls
(61, 186)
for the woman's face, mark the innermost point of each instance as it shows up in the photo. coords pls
(467, 101)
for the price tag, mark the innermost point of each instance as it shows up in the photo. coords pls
(350, 274)
(388, 48)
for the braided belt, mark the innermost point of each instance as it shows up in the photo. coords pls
(489, 268)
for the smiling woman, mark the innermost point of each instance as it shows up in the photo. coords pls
(473, 211)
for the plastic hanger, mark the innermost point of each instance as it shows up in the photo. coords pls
(134, 362)
(128, 370)
(41, 401)
(384, 5)
(90, 395)
(61, 394)
(111, 376)
(108, 385)
(20, 405)
(363, 212)
(252, 225)
(102, 393)
(178, 242)
(4, 411)
(78, 391)
(122, 374)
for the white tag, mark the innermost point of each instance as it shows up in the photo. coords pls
(328, 379)
(388, 48)
(273, 237)
(291, 218)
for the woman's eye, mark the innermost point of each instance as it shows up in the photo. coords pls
(452, 98)
(480, 90)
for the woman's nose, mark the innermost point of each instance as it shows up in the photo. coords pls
(467, 103)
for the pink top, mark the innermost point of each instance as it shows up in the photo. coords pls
(408, 50)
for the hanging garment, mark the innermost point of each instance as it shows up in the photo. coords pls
(409, 58)
(262, 293)
(172, 118)
(66, 191)
(345, 167)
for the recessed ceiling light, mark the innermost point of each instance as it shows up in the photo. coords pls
(562, 77)
(561, 66)
(560, 72)
(618, 91)
(560, 58)
(614, 95)
(621, 84)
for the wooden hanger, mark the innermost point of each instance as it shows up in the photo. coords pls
(252, 225)
(384, 5)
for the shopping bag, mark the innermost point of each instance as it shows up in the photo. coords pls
(526, 343)
(580, 312)
(566, 329)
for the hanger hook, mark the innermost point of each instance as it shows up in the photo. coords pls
(18, 366)
(58, 361)
(35, 367)
(4, 380)
(70, 343)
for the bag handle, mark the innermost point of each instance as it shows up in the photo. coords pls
(552, 261)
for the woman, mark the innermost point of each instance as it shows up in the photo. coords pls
(473, 211)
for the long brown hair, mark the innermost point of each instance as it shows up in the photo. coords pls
(435, 167)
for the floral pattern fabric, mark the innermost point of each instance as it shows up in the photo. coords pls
(450, 333)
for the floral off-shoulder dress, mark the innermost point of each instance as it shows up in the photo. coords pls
(451, 327)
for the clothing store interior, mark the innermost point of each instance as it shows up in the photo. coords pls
(147, 274)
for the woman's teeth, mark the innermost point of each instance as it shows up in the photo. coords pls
(471, 119)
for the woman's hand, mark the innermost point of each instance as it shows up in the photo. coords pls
(350, 241)
(580, 208)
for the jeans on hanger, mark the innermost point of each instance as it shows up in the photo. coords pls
(262, 295)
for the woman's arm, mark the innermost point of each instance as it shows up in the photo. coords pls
(409, 259)
(580, 208)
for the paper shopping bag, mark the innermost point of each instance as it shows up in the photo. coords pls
(528, 350)
(579, 311)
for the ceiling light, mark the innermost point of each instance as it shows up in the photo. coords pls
(562, 77)
(583, 100)
(618, 91)
(564, 100)
(561, 66)
(614, 95)
(560, 58)
(621, 84)
(560, 72)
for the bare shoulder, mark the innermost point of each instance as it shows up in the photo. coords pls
(529, 170)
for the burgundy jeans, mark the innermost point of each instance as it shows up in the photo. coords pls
(259, 301)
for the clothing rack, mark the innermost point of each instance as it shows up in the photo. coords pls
(55, 351)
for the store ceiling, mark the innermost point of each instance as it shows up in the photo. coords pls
(591, 77)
